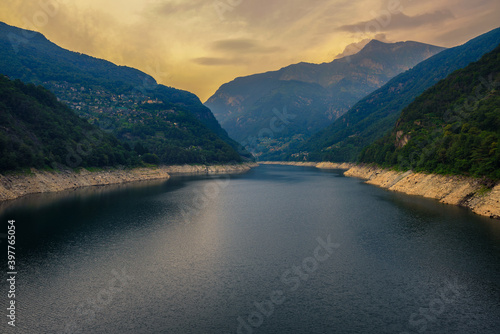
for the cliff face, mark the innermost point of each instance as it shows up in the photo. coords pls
(464, 191)
(13, 186)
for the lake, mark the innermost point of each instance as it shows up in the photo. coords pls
(279, 249)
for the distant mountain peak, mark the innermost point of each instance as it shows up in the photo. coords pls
(376, 42)
(375, 114)
(355, 47)
(315, 94)
(375, 47)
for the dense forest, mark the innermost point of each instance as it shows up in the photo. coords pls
(314, 95)
(165, 124)
(373, 116)
(172, 136)
(452, 128)
(38, 131)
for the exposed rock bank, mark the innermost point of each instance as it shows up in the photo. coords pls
(13, 186)
(457, 190)
(322, 165)
(210, 169)
(334, 165)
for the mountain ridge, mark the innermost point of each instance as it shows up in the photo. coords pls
(38, 131)
(453, 127)
(376, 113)
(323, 92)
(119, 98)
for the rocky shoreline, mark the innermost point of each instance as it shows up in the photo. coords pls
(14, 186)
(472, 193)
(322, 165)
(209, 169)
(468, 192)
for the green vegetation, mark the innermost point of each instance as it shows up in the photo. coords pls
(452, 128)
(172, 126)
(484, 190)
(38, 131)
(316, 94)
(375, 115)
(171, 137)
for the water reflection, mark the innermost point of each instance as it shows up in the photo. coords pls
(202, 250)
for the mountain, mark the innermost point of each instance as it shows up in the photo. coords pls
(377, 113)
(453, 127)
(164, 120)
(38, 131)
(312, 95)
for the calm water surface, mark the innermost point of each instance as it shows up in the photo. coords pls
(277, 250)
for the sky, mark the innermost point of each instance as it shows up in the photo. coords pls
(198, 45)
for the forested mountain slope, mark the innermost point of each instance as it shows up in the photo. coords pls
(453, 127)
(377, 113)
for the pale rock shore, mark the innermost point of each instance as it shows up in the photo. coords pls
(13, 185)
(322, 165)
(210, 169)
(457, 190)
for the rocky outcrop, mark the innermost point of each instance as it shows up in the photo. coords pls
(475, 194)
(13, 186)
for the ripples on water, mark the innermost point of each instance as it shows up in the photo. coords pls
(210, 254)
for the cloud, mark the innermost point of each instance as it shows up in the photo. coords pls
(242, 45)
(354, 48)
(213, 61)
(167, 8)
(200, 49)
(234, 51)
(399, 21)
(234, 45)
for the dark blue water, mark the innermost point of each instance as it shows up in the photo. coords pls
(277, 250)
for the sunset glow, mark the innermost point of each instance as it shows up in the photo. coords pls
(198, 45)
